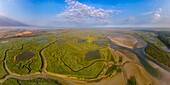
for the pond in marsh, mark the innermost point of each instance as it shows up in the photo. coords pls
(28, 38)
(102, 43)
(43, 41)
(61, 41)
(81, 41)
(74, 37)
(92, 55)
(25, 56)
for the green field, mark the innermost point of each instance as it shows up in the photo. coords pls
(80, 54)
(31, 82)
(158, 54)
(111, 69)
(73, 59)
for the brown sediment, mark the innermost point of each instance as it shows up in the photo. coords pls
(165, 78)
(23, 33)
(15, 58)
(123, 40)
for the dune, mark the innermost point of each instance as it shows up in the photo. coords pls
(23, 33)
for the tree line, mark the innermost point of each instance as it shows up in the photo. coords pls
(164, 37)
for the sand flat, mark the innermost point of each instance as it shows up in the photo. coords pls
(142, 77)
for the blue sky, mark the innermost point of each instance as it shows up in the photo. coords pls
(88, 13)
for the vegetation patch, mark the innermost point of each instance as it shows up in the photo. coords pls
(111, 69)
(164, 37)
(120, 59)
(38, 81)
(68, 58)
(158, 54)
(2, 71)
(132, 81)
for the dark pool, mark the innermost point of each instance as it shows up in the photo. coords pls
(25, 56)
(61, 41)
(81, 41)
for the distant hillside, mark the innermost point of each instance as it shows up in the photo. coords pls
(5, 21)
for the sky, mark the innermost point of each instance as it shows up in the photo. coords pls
(88, 13)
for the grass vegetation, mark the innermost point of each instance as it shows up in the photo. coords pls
(2, 71)
(120, 59)
(164, 37)
(111, 70)
(31, 82)
(70, 57)
(158, 54)
(131, 81)
(31, 65)
(3, 47)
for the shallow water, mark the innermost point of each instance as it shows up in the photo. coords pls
(43, 41)
(81, 41)
(28, 38)
(61, 41)
(74, 36)
(142, 58)
(100, 43)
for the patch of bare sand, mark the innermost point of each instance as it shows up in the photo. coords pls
(124, 41)
(142, 77)
(23, 33)
(165, 79)
(118, 79)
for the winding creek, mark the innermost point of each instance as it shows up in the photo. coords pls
(143, 57)
(41, 74)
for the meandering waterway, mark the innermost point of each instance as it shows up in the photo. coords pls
(145, 59)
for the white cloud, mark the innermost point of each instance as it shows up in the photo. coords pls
(155, 15)
(84, 13)
(131, 19)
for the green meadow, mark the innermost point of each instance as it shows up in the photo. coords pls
(63, 51)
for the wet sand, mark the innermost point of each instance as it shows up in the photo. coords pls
(165, 79)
